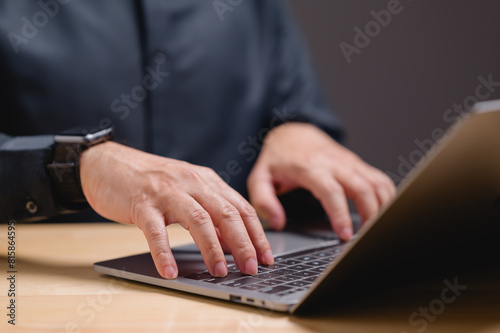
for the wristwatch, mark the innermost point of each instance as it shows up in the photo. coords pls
(64, 170)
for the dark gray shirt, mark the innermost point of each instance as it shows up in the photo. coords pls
(198, 80)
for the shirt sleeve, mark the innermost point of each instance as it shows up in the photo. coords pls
(297, 93)
(26, 193)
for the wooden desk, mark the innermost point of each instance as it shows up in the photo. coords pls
(58, 291)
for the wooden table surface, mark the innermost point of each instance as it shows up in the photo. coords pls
(58, 291)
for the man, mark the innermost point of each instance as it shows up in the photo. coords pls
(226, 85)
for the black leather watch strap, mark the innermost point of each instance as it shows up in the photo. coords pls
(64, 171)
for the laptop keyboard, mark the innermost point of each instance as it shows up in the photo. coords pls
(290, 273)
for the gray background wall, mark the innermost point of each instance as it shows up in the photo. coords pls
(398, 88)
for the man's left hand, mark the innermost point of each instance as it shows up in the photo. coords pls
(297, 155)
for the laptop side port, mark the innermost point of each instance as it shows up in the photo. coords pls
(234, 298)
(250, 300)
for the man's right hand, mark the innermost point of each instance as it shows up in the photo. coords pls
(133, 187)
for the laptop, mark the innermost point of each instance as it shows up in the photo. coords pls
(452, 194)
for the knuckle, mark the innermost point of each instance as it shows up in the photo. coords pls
(242, 245)
(159, 252)
(212, 249)
(340, 217)
(229, 212)
(248, 211)
(191, 174)
(259, 204)
(155, 234)
(387, 182)
(301, 167)
(384, 184)
(199, 218)
(138, 207)
(261, 241)
(362, 188)
(332, 189)
(208, 171)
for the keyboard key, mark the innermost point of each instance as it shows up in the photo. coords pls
(254, 287)
(261, 269)
(273, 282)
(228, 277)
(274, 266)
(266, 275)
(318, 263)
(326, 253)
(286, 292)
(232, 283)
(291, 262)
(288, 278)
(300, 267)
(300, 283)
(310, 279)
(198, 276)
(307, 257)
(275, 289)
(284, 271)
(318, 269)
(245, 281)
(232, 268)
(305, 274)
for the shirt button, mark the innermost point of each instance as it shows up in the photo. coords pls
(31, 207)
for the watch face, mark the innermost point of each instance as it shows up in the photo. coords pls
(80, 131)
(84, 135)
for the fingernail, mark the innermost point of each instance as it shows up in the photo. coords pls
(220, 269)
(346, 233)
(170, 272)
(251, 266)
(268, 258)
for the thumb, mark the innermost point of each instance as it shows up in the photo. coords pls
(262, 195)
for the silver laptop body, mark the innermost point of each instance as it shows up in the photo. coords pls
(459, 177)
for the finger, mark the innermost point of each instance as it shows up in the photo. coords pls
(332, 197)
(223, 244)
(263, 197)
(383, 185)
(193, 217)
(361, 192)
(252, 224)
(232, 229)
(250, 220)
(152, 224)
